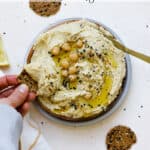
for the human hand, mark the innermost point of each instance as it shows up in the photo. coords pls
(18, 96)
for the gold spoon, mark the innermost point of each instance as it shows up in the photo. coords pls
(127, 50)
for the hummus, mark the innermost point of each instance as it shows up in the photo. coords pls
(97, 80)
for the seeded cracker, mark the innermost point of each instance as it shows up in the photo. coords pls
(26, 79)
(120, 138)
(45, 7)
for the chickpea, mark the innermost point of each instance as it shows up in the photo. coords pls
(64, 73)
(55, 50)
(66, 47)
(79, 43)
(88, 96)
(64, 64)
(72, 77)
(72, 70)
(73, 57)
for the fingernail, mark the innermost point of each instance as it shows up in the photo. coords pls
(23, 88)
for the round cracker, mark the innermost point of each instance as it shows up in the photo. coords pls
(120, 138)
(45, 7)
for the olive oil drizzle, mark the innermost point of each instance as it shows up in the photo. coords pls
(102, 99)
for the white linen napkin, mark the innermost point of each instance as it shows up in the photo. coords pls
(31, 138)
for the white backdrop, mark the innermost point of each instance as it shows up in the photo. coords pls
(131, 21)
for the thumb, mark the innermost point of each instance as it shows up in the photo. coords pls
(18, 96)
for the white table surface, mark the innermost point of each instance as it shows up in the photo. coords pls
(131, 21)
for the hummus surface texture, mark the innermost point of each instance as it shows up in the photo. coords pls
(100, 70)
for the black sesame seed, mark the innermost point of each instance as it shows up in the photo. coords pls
(80, 81)
(124, 109)
(42, 123)
(75, 107)
(81, 25)
(58, 59)
(65, 83)
(103, 109)
(99, 55)
(90, 86)
(90, 105)
(90, 75)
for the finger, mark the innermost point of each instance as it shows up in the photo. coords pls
(8, 80)
(7, 93)
(31, 96)
(18, 96)
(24, 108)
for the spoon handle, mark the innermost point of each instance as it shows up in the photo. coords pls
(129, 51)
